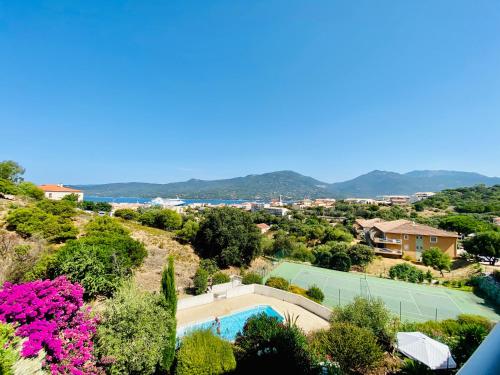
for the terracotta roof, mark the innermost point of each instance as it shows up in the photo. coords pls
(263, 226)
(58, 188)
(368, 223)
(410, 227)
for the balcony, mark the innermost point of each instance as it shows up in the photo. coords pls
(386, 251)
(386, 240)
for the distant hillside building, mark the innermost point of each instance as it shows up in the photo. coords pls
(397, 200)
(423, 195)
(404, 237)
(263, 227)
(59, 191)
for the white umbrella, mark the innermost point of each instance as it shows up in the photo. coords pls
(422, 348)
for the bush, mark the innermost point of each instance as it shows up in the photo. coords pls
(220, 278)
(95, 206)
(302, 253)
(161, 218)
(52, 319)
(488, 287)
(406, 272)
(30, 190)
(370, 314)
(33, 221)
(354, 348)
(127, 214)
(361, 255)
(8, 349)
(209, 265)
(135, 331)
(201, 352)
(315, 293)
(340, 261)
(252, 278)
(188, 231)
(265, 342)
(436, 259)
(200, 281)
(278, 283)
(101, 259)
(228, 235)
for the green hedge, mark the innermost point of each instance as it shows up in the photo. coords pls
(201, 352)
(278, 283)
(406, 272)
(488, 287)
(252, 278)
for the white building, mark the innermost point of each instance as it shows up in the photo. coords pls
(59, 191)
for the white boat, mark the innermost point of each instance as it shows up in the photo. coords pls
(167, 202)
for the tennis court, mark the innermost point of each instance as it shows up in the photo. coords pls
(412, 302)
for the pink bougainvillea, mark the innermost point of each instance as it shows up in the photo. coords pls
(51, 316)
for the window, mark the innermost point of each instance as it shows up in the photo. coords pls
(434, 239)
(405, 236)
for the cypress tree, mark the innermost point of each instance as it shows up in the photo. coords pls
(169, 292)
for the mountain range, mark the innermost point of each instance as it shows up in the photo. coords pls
(292, 185)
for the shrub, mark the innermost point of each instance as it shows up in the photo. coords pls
(201, 352)
(436, 259)
(127, 214)
(265, 342)
(354, 348)
(104, 224)
(52, 320)
(188, 231)
(220, 278)
(406, 272)
(369, 314)
(135, 331)
(228, 235)
(200, 281)
(488, 287)
(315, 293)
(278, 283)
(298, 290)
(8, 351)
(95, 206)
(251, 278)
(161, 218)
(30, 190)
(340, 261)
(209, 265)
(33, 221)
(302, 253)
(361, 255)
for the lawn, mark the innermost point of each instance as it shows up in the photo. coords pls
(413, 302)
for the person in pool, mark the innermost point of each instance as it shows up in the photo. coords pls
(217, 325)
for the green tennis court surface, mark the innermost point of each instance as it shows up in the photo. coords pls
(414, 302)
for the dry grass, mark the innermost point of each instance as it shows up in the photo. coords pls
(160, 244)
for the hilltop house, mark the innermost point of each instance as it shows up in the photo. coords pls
(263, 227)
(404, 237)
(59, 191)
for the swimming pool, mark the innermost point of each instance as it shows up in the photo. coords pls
(230, 325)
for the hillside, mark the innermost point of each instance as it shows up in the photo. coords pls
(264, 186)
(292, 185)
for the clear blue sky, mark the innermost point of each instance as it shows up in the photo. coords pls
(160, 91)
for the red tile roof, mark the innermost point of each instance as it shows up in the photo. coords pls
(409, 227)
(58, 188)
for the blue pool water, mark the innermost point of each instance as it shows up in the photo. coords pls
(230, 325)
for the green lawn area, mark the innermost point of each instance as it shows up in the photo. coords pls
(413, 301)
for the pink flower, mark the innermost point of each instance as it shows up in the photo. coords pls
(50, 315)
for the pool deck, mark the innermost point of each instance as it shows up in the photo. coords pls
(306, 320)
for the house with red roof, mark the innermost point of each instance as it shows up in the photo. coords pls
(59, 191)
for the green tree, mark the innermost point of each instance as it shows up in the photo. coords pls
(278, 283)
(463, 224)
(200, 281)
(134, 331)
(11, 171)
(315, 293)
(127, 214)
(354, 348)
(188, 231)
(8, 352)
(485, 244)
(282, 245)
(265, 342)
(228, 235)
(203, 353)
(436, 259)
(361, 255)
(30, 190)
(161, 218)
(370, 314)
(170, 293)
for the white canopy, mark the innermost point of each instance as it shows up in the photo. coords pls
(422, 348)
